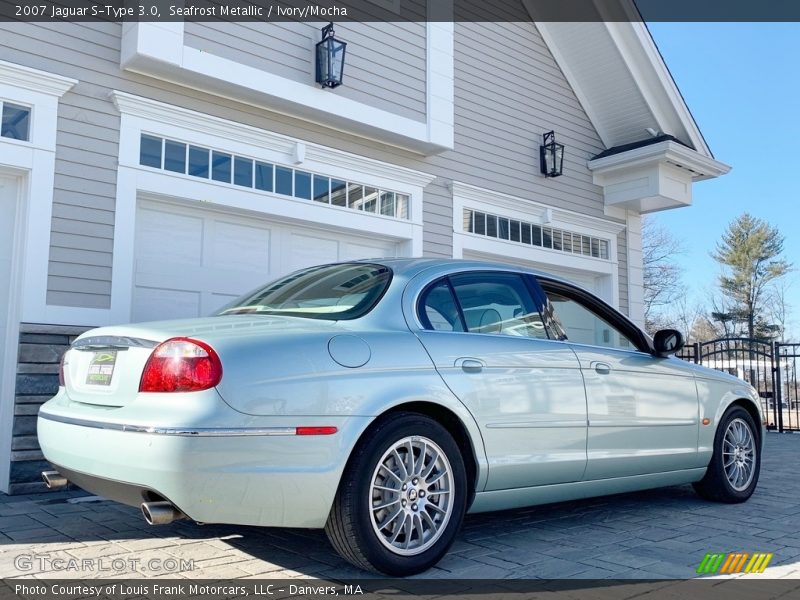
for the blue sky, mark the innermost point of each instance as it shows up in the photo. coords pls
(741, 83)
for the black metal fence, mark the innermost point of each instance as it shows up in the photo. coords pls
(770, 367)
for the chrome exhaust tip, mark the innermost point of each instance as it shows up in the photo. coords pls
(160, 513)
(54, 480)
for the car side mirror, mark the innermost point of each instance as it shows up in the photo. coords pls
(668, 341)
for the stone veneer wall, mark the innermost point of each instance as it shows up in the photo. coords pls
(40, 350)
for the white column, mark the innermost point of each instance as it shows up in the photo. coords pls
(635, 268)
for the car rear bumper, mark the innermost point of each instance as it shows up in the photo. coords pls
(255, 475)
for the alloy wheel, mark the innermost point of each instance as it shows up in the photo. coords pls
(411, 495)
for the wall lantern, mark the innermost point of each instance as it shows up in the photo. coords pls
(330, 59)
(551, 155)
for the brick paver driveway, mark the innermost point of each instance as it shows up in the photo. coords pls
(656, 534)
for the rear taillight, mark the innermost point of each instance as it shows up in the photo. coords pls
(181, 365)
(62, 379)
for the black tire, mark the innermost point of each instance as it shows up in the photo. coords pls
(350, 526)
(716, 484)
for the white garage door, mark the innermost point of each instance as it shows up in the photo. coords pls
(190, 261)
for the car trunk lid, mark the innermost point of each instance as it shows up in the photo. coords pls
(106, 369)
(104, 366)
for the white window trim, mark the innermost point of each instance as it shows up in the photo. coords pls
(135, 181)
(32, 163)
(484, 200)
(158, 50)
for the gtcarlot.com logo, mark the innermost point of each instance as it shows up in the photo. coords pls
(734, 562)
(44, 562)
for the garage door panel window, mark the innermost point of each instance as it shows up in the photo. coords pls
(175, 156)
(243, 172)
(265, 174)
(504, 228)
(338, 192)
(15, 121)
(302, 185)
(198, 162)
(179, 157)
(221, 167)
(322, 189)
(284, 181)
(150, 151)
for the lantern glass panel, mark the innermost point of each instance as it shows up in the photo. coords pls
(330, 62)
(558, 162)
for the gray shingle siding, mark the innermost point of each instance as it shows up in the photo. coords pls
(286, 49)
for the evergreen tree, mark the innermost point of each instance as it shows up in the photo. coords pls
(750, 254)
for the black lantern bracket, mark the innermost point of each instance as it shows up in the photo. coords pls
(551, 155)
(329, 59)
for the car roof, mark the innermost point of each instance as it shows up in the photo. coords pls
(409, 267)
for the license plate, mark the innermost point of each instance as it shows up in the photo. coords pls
(101, 368)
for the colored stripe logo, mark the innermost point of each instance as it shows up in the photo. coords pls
(734, 562)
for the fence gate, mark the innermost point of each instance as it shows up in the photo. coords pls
(770, 367)
(787, 359)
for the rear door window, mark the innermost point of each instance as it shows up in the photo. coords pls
(485, 302)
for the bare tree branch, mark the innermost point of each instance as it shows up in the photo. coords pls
(662, 275)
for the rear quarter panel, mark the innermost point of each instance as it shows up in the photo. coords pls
(297, 376)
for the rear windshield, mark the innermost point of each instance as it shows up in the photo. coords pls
(333, 292)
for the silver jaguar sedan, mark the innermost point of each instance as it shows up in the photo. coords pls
(384, 399)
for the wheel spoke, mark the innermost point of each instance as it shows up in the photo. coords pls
(392, 473)
(420, 466)
(399, 528)
(390, 518)
(385, 505)
(408, 530)
(402, 463)
(436, 478)
(388, 489)
(419, 528)
(424, 515)
(431, 465)
(410, 458)
(436, 508)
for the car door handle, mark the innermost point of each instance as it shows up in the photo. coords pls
(470, 365)
(601, 367)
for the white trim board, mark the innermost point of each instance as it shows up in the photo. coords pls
(635, 269)
(158, 50)
(10, 342)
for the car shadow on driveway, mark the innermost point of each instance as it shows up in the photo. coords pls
(655, 534)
